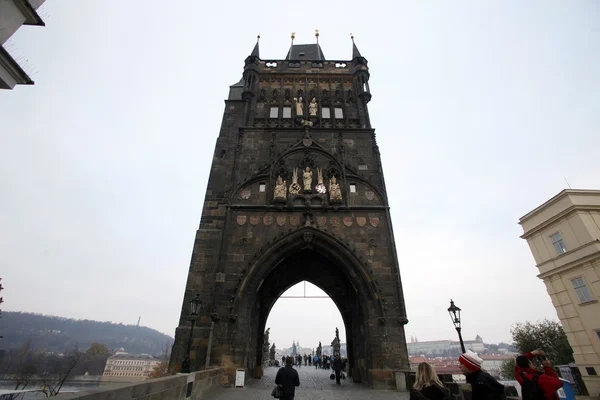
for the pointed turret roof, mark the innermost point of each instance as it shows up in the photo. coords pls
(255, 52)
(355, 52)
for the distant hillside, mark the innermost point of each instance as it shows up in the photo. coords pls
(56, 333)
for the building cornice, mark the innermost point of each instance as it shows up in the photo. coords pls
(30, 14)
(13, 68)
(572, 209)
(562, 194)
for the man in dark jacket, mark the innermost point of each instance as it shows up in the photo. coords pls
(483, 385)
(547, 381)
(337, 367)
(288, 378)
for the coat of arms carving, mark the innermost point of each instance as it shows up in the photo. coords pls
(241, 219)
(294, 220)
(374, 221)
(281, 220)
(267, 220)
(321, 221)
(370, 195)
(361, 221)
(348, 221)
(254, 220)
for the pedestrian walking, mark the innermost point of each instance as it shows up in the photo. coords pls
(483, 385)
(427, 385)
(316, 361)
(531, 379)
(299, 358)
(288, 378)
(337, 368)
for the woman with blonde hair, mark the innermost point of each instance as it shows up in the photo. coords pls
(427, 385)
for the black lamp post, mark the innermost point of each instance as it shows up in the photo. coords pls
(455, 317)
(195, 307)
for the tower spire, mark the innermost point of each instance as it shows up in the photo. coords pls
(355, 52)
(255, 52)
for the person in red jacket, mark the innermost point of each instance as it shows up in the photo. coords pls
(548, 381)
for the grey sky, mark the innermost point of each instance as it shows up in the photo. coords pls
(481, 110)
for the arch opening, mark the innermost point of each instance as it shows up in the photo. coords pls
(304, 316)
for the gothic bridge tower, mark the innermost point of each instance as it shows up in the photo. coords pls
(296, 192)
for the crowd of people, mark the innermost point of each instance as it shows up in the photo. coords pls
(323, 362)
(535, 384)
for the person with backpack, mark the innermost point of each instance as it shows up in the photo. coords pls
(483, 385)
(535, 384)
(287, 377)
(427, 385)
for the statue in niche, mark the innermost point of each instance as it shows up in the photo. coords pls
(295, 187)
(320, 186)
(335, 194)
(313, 107)
(280, 189)
(307, 178)
(299, 106)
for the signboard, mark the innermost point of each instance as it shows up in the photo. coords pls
(240, 376)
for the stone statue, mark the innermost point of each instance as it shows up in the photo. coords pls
(280, 189)
(313, 107)
(307, 178)
(319, 176)
(272, 352)
(319, 350)
(266, 336)
(299, 106)
(295, 187)
(337, 333)
(335, 194)
(336, 342)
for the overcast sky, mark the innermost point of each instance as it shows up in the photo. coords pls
(482, 109)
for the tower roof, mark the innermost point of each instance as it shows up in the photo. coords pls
(311, 52)
(355, 52)
(255, 52)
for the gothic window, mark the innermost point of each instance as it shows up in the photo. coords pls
(274, 112)
(287, 112)
(352, 188)
(325, 113)
(261, 187)
(339, 113)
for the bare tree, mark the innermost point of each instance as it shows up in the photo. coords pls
(162, 369)
(25, 369)
(54, 376)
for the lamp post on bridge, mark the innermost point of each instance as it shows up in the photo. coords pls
(195, 307)
(455, 317)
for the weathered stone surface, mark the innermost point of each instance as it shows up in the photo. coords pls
(247, 238)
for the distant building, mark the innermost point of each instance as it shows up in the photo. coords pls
(437, 348)
(564, 237)
(492, 363)
(124, 367)
(13, 14)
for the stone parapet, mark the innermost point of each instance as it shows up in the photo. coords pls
(177, 387)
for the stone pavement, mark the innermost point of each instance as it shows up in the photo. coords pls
(314, 385)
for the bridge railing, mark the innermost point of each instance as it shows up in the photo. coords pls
(191, 386)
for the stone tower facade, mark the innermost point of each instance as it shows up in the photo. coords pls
(296, 192)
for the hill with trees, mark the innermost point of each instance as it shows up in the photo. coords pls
(57, 334)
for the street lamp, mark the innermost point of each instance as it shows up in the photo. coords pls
(195, 307)
(455, 317)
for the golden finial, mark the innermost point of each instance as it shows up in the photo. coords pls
(317, 35)
(293, 35)
(258, 37)
(352, 36)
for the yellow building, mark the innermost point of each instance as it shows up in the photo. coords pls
(564, 237)
(125, 367)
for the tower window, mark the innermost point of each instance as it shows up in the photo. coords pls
(558, 243)
(583, 292)
(274, 112)
(287, 112)
(326, 113)
(301, 54)
(261, 187)
(339, 113)
(352, 188)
